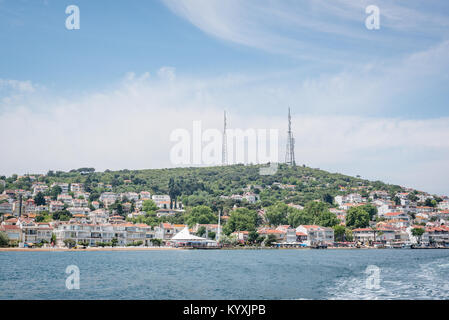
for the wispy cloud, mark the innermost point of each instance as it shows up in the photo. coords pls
(315, 29)
(19, 86)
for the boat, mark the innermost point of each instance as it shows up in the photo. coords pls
(319, 246)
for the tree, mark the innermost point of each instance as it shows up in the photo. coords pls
(397, 201)
(299, 217)
(4, 240)
(200, 214)
(53, 238)
(201, 231)
(277, 214)
(418, 232)
(39, 199)
(348, 235)
(55, 191)
(228, 240)
(241, 219)
(372, 210)
(430, 203)
(357, 217)
(327, 219)
(317, 213)
(339, 233)
(70, 243)
(63, 215)
(114, 242)
(211, 235)
(270, 240)
(149, 206)
(173, 191)
(156, 242)
(328, 198)
(412, 196)
(254, 237)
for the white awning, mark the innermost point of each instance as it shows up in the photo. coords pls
(184, 235)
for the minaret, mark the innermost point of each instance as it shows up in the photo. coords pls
(224, 155)
(290, 152)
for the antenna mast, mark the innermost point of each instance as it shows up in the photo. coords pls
(224, 155)
(290, 152)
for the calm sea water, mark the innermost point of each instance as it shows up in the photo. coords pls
(233, 274)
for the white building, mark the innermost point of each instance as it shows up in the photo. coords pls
(161, 200)
(77, 187)
(316, 234)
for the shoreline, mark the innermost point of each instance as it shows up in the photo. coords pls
(85, 250)
(95, 249)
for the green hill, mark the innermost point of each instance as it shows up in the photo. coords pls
(205, 185)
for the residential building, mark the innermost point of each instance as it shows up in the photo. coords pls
(6, 207)
(317, 235)
(13, 232)
(162, 201)
(64, 186)
(77, 187)
(56, 206)
(164, 231)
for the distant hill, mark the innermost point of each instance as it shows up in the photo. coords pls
(205, 185)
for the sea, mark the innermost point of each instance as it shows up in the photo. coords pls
(226, 274)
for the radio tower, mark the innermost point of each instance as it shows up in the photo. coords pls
(290, 153)
(224, 155)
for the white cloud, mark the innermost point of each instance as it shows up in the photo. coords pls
(314, 29)
(167, 73)
(130, 125)
(16, 85)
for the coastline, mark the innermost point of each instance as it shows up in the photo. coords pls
(164, 249)
(87, 249)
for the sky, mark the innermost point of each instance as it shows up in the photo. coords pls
(364, 102)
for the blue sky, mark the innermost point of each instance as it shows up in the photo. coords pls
(368, 102)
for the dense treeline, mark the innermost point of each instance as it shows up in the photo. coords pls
(204, 186)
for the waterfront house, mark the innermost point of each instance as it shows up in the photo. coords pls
(44, 232)
(164, 231)
(316, 234)
(13, 232)
(241, 236)
(438, 235)
(280, 235)
(363, 235)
